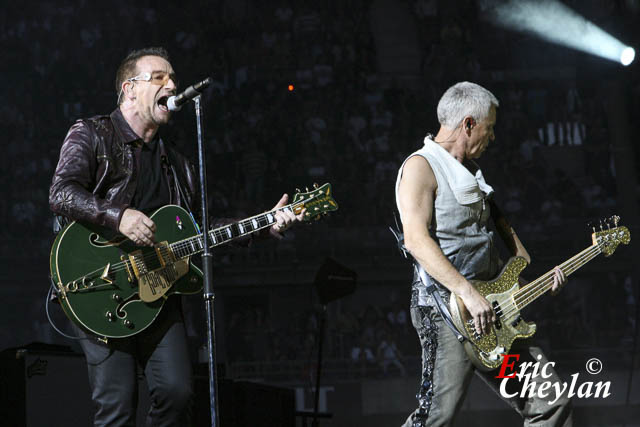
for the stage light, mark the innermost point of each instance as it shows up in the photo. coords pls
(553, 21)
(627, 56)
(291, 88)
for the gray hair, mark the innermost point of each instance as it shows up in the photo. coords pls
(465, 99)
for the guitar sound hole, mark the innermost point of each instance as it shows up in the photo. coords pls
(120, 312)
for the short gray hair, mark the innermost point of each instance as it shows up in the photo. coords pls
(465, 99)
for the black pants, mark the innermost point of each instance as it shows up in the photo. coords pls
(161, 350)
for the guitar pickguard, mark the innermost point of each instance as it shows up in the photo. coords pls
(155, 284)
(486, 351)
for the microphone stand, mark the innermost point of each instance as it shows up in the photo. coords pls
(207, 268)
(316, 397)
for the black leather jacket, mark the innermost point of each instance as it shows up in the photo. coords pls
(96, 176)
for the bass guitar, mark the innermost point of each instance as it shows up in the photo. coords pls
(486, 351)
(112, 288)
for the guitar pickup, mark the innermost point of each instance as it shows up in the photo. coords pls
(496, 308)
(516, 321)
(165, 253)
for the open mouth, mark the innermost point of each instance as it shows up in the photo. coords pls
(162, 103)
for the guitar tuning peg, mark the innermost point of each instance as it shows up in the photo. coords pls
(306, 189)
(601, 227)
(592, 226)
(615, 219)
(315, 185)
(298, 190)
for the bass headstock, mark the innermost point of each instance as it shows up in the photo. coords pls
(318, 202)
(610, 235)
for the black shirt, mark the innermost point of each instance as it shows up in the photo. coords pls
(152, 191)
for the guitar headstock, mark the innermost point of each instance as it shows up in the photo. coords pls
(610, 237)
(317, 202)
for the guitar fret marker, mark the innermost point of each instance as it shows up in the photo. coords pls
(241, 228)
(255, 224)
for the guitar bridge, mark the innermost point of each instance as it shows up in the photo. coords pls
(516, 321)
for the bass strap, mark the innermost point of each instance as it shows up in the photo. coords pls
(428, 283)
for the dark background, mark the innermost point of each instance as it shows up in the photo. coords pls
(367, 77)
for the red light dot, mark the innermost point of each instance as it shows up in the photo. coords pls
(291, 88)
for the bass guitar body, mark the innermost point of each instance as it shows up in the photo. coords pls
(507, 298)
(486, 351)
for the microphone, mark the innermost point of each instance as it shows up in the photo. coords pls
(175, 103)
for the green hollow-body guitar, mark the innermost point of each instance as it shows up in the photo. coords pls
(114, 289)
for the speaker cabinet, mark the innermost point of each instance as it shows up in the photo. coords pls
(40, 387)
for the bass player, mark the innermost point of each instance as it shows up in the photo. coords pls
(444, 206)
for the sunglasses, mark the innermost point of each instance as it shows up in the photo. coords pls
(157, 78)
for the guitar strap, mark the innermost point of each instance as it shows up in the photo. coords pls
(442, 307)
(428, 283)
(168, 160)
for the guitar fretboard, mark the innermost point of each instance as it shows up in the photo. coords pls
(527, 294)
(193, 245)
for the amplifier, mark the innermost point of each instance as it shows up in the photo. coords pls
(47, 385)
(40, 387)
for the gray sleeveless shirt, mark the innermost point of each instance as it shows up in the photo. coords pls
(459, 219)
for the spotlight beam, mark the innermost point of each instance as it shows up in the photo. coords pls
(557, 23)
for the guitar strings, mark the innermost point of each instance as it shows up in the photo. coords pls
(567, 267)
(542, 284)
(183, 244)
(126, 264)
(532, 290)
(521, 297)
(509, 306)
(188, 242)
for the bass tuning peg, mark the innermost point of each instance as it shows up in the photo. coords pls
(615, 219)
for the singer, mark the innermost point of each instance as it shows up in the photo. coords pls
(112, 168)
